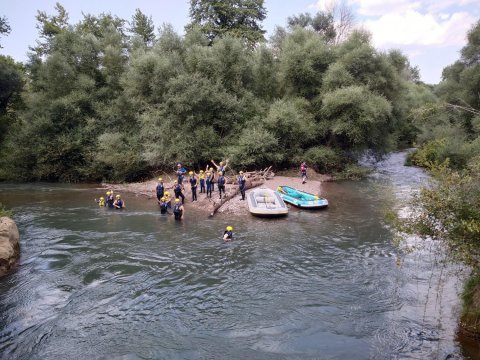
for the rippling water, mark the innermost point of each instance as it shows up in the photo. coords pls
(133, 284)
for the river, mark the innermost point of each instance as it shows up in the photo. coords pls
(133, 284)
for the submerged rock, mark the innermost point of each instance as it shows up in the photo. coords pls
(9, 245)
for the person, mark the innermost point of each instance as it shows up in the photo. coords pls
(180, 173)
(177, 189)
(178, 210)
(303, 170)
(228, 234)
(208, 182)
(212, 178)
(221, 183)
(160, 189)
(119, 203)
(201, 177)
(167, 199)
(110, 200)
(101, 201)
(164, 205)
(193, 184)
(221, 167)
(242, 181)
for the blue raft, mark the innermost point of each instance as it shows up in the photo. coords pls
(301, 199)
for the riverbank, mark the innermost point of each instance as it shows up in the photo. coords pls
(206, 204)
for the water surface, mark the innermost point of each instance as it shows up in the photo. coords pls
(133, 284)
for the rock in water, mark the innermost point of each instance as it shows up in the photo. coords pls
(9, 245)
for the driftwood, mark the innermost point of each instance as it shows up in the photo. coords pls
(217, 203)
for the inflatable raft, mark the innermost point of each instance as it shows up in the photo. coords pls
(301, 199)
(266, 203)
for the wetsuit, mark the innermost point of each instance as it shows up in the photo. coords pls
(202, 183)
(208, 181)
(180, 175)
(221, 185)
(164, 207)
(178, 192)
(193, 183)
(212, 180)
(119, 203)
(160, 190)
(242, 184)
(110, 201)
(177, 211)
(229, 235)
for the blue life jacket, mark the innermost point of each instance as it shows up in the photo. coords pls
(177, 211)
(221, 180)
(193, 181)
(177, 190)
(230, 234)
(241, 181)
(160, 189)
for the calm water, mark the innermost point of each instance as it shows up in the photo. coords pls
(133, 284)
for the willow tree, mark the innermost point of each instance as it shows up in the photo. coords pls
(238, 18)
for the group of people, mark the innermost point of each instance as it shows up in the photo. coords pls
(206, 179)
(110, 201)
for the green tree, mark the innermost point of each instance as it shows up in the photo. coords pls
(5, 28)
(142, 26)
(49, 27)
(322, 23)
(238, 18)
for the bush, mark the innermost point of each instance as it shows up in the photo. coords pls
(4, 211)
(323, 159)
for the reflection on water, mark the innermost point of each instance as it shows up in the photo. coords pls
(95, 283)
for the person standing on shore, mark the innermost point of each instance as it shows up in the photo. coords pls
(208, 182)
(303, 171)
(221, 184)
(180, 173)
(193, 184)
(160, 189)
(212, 179)
(242, 181)
(201, 177)
(177, 189)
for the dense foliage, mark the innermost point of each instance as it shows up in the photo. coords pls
(107, 99)
(449, 145)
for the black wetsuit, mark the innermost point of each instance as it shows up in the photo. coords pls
(177, 212)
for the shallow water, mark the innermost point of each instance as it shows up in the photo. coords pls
(133, 284)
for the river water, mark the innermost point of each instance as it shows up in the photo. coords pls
(133, 284)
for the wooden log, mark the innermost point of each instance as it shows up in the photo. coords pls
(217, 203)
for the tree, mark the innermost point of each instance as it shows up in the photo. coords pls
(238, 18)
(322, 23)
(4, 27)
(142, 26)
(49, 27)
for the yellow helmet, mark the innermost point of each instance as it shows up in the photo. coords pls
(109, 192)
(177, 200)
(241, 172)
(175, 181)
(166, 193)
(279, 188)
(162, 199)
(102, 198)
(190, 173)
(160, 179)
(229, 228)
(201, 171)
(118, 196)
(211, 169)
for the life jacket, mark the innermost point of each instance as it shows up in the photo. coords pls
(101, 202)
(177, 190)
(177, 211)
(110, 201)
(160, 189)
(241, 181)
(120, 203)
(193, 181)
(230, 234)
(221, 180)
(163, 206)
(202, 176)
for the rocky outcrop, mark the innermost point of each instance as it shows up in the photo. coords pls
(9, 245)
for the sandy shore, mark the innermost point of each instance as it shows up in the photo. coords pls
(205, 204)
